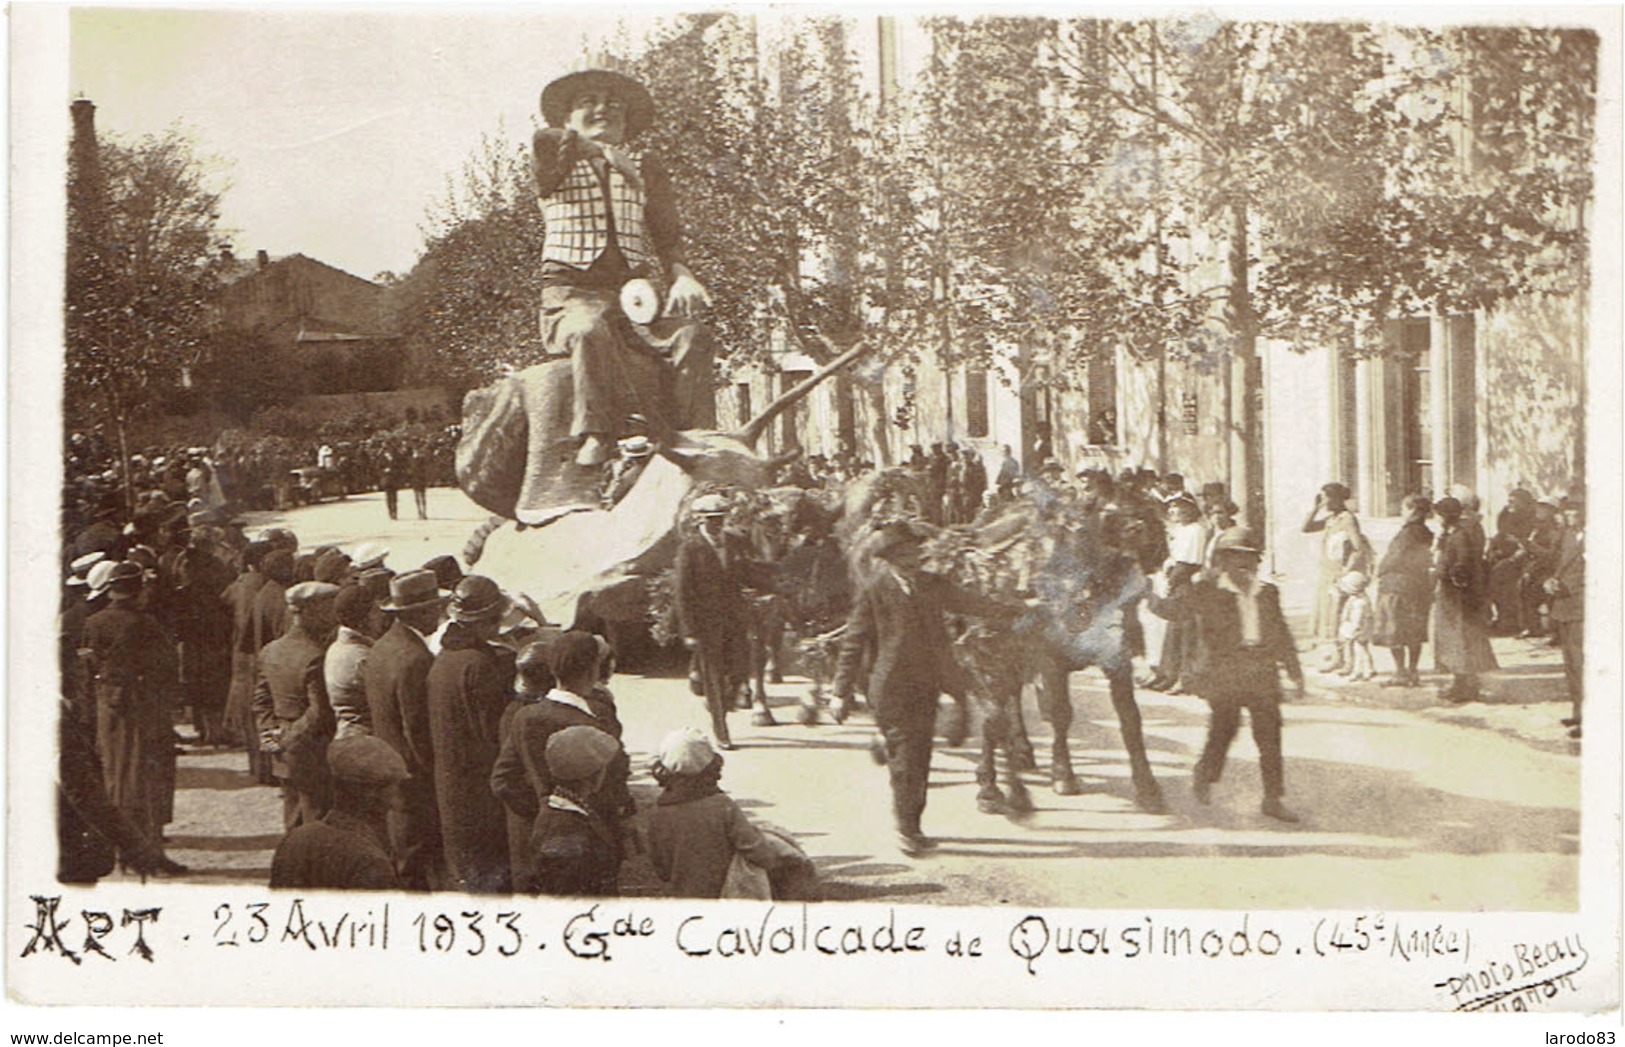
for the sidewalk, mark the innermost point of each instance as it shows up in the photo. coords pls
(1526, 698)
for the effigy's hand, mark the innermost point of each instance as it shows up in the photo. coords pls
(687, 296)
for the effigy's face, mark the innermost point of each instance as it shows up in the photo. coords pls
(599, 116)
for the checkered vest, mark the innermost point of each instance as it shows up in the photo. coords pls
(576, 219)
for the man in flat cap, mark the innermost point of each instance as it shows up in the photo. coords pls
(1243, 643)
(347, 849)
(291, 709)
(611, 217)
(396, 677)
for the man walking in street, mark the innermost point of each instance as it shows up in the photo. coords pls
(1242, 642)
(897, 612)
(713, 568)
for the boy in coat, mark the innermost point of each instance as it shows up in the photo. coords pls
(1242, 641)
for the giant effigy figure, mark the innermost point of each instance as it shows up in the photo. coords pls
(617, 303)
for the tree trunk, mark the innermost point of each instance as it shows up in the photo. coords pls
(1246, 378)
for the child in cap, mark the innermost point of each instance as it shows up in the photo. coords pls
(574, 849)
(696, 829)
(1354, 627)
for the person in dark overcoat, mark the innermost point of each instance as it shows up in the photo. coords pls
(468, 687)
(1461, 643)
(1567, 590)
(76, 610)
(91, 832)
(533, 679)
(1405, 593)
(898, 610)
(1242, 643)
(713, 568)
(397, 681)
(203, 628)
(389, 479)
(348, 848)
(520, 777)
(131, 665)
(291, 709)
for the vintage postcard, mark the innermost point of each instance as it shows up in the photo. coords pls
(1083, 508)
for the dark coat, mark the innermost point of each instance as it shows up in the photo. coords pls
(468, 687)
(1569, 601)
(694, 834)
(90, 830)
(268, 614)
(132, 665)
(520, 778)
(1405, 588)
(397, 680)
(912, 655)
(712, 610)
(341, 852)
(1461, 642)
(204, 624)
(574, 854)
(1218, 665)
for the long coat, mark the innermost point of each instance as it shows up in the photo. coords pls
(132, 666)
(520, 778)
(711, 608)
(239, 600)
(468, 688)
(1569, 602)
(1461, 643)
(397, 681)
(204, 625)
(1404, 588)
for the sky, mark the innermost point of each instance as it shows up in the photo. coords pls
(334, 131)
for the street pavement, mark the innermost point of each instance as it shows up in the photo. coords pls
(1407, 802)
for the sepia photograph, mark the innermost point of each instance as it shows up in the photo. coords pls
(824, 508)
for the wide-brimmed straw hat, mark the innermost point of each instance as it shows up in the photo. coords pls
(557, 96)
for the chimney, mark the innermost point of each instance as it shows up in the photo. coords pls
(264, 259)
(226, 257)
(84, 117)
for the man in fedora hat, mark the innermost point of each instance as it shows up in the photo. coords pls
(468, 688)
(713, 568)
(611, 216)
(1242, 642)
(396, 677)
(292, 711)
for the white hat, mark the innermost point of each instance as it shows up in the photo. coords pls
(101, 573)
(710, 505)
(369, 554)
(77, 569)
(686, 751)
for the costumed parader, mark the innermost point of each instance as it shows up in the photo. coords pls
(611, 218)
